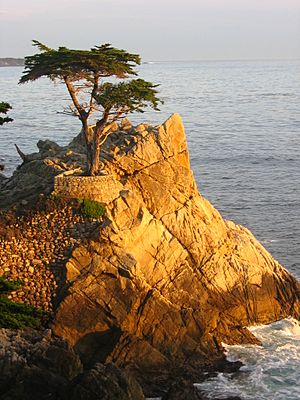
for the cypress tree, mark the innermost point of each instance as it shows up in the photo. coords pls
(84, 72)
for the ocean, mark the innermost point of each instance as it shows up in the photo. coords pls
(270, 371)
(242, 120)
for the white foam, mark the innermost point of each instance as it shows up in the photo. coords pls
(270, 371)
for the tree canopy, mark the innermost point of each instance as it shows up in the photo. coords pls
(103, 61)
(4, 108)
(84, 73)
(127, 97)
(85, 67)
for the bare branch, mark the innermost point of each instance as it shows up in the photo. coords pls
(72, 93)
(23, 156)
(118, 116)
(94, 91)
(107, 128)
(108, 132)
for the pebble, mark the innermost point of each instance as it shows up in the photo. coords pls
(37, 255)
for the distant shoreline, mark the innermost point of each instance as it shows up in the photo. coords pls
(11, 62)
(19, 62)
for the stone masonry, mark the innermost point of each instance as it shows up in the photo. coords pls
(100, 188)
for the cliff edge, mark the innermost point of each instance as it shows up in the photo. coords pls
(166, 279)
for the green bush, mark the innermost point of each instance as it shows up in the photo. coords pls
(17, 315)
(92, 208)
(7, 286)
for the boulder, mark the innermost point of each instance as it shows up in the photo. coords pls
(35, 176)
(105, 382)
(35, 366)
(183, 390)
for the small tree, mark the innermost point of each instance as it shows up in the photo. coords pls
(82, 71)
(4, 108)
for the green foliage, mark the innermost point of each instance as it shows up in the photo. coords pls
(100, 61)
(127, 97)
(18, 316)
(4, 108)
(92, 208)
(7, 286)
(15, 315)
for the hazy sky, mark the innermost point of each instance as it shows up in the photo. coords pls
(156, 29)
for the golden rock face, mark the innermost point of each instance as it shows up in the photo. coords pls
(167, 279)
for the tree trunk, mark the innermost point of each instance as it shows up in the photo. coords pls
(83, 116)
(88, 142)
(95, 164)
(95, 167)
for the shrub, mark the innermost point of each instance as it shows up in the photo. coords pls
(7, 286)
(16, 315)
(92, 208)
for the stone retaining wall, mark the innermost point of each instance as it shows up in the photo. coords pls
(100, 188)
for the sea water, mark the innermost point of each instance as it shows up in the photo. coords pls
(270, 371)
(242, 120)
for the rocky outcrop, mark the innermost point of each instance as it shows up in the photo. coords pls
(36, 366)
(166, 279)
(183, 390)
(36, 174)
(105, 382)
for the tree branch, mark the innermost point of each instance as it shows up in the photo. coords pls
(108, 132)
(72, 91)
(21, 154)
(93, 93)
(118, 115)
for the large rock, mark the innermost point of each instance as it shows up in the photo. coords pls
(167, 279)
(183, 390)
(34, 365)
(37, 366)
(105, 382)
(36, 174)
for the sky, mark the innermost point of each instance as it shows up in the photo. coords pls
(156, 29)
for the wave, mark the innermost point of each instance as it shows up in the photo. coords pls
(270, 371)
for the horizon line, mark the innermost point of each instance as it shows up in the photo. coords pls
(223, 59)
(193, 60)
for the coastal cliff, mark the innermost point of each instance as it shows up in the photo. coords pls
(164, 279)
